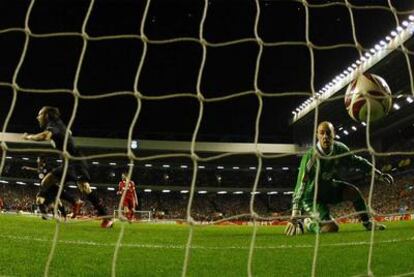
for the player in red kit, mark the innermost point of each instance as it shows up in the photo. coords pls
(130, 199)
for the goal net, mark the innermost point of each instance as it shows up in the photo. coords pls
(209, 106)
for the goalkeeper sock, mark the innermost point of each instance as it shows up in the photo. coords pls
(93, 197)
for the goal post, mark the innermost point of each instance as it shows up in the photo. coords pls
(144, 216)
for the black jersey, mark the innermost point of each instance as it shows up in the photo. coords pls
(58, 129)
(77, 170)
(42, 171)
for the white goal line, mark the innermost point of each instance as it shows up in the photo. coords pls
(177, 246)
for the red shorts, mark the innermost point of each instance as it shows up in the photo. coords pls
(129, 202)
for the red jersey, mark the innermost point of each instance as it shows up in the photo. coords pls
(130, 189)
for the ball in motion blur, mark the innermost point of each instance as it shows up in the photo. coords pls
(368, 89)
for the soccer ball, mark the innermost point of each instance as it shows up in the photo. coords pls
(368, 89)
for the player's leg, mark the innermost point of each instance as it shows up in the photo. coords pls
(40, 202)
(65, 195)
(133, 209)
(353, 194)
(52, 193)
(328, 223)
(70, 198)
(130, 209)
(323, 223)
(125, 208)
(123, 216)
(92, 196)
(75, 201)
(83, 182)
(54, 177)
(79, 173)
(45, 197)
(62, 210)
(329, 227)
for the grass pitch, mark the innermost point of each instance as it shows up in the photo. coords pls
(84, 249)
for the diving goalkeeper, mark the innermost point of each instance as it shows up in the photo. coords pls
(330, 189)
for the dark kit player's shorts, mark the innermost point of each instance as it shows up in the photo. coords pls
(48, 194)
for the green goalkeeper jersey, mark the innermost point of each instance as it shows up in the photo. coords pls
(329, 172)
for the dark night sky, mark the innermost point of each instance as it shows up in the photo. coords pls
(110, 65)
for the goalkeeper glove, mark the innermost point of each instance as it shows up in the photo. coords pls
(295, 225)
(386, 178)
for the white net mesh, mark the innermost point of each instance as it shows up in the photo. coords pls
(205, 50)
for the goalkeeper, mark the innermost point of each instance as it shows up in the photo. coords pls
(330, 189)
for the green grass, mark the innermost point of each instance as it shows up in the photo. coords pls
(84, 249)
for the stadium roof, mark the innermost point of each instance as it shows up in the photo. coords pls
(112, 40)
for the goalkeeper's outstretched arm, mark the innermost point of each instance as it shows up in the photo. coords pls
(364, 164)
(295, 226)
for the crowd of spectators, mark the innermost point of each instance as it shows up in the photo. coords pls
(398, 198)
(172, 205)
(17, 198)
(386, 199)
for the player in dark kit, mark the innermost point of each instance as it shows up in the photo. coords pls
(330, 190)
(47, 196)
(55, 130)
